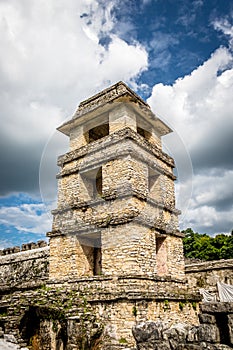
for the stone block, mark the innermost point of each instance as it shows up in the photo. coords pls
(10, 338)
(147, 332)
(192, 334)
(207, 318)
(208, 333)
(188, 347)
(154, 345)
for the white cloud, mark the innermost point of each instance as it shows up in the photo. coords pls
(133, 55)
(191, 98)
(199, 107)
(51, 59)
(211, 205)
(226, 27)
(206, 219)
(213, 188)
(26, 217)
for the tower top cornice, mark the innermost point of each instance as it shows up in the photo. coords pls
(104, 101)
(107, 95)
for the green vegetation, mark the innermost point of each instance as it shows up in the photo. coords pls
(123, 341)
(134, 311)
(204, 247)
(194, 305)
(182, 305)
(166, 305)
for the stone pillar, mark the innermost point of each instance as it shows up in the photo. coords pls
(123, 175)
(78, 138)
(122, 116)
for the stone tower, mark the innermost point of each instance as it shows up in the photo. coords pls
(116, 210)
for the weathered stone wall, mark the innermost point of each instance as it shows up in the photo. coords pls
(21, 266)
(102, 309)
(207, 274)
(128, 249)
(80, 167)
(67, 259)
(103, 187)
(215, 331)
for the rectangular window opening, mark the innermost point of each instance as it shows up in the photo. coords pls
(97, 261)
(91, 246)
(98, 132)
(144, 132)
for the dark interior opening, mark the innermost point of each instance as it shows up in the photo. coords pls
(144, 133)
(97, 261)
(98, 182)
(29, 325)
(36, 335)
(222, 323)
(141, 131)
(2, 326)
(98, 132)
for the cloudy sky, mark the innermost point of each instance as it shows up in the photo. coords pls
(177, 55)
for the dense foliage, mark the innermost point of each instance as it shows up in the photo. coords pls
(204, 247)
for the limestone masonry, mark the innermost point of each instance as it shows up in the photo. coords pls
(113, 275)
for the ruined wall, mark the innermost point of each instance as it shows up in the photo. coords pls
(215, 331)
(207, 274)
(92, 310)
(30, 264)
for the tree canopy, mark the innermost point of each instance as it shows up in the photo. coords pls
(205, 247)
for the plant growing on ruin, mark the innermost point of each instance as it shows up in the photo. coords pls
(122, 341)
(166, 305)
(134, 311)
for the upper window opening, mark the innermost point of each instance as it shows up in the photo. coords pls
(145, 133)
(140, 131)
(98, 132)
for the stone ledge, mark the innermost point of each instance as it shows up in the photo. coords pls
(83, 228)
(209, 265)
(105, 96)
(217, 307)
(112, 139)
(22, 286)
(24, 247)
(24, 255)
(96, 201)
(101, 278)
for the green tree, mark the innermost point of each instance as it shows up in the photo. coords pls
(205, 247)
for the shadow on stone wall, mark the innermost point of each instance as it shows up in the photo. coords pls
(43, 328)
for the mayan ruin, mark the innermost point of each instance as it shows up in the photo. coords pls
(113, 274)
